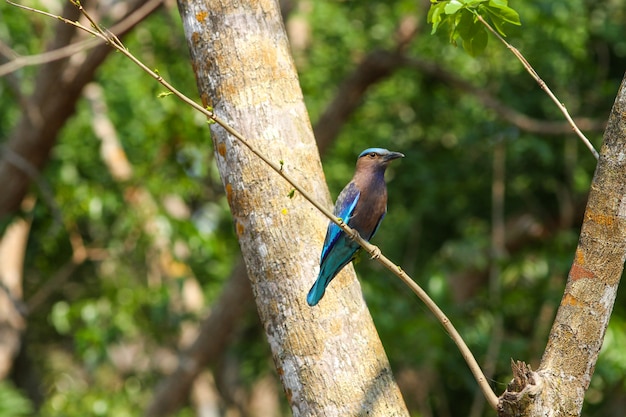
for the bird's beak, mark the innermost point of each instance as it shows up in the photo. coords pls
(392, 155)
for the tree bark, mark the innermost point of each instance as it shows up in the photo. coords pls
(558, 387)
(330, 359)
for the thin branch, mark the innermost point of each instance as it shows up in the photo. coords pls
(542, 84)
(38, 59)
(112, 40)
(19, 61)
(516, 118)
(57, 88)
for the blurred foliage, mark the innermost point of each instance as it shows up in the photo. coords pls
(13, 403)
(438, 226)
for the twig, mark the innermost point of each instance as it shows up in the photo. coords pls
(22, 61)
(19, 61)
(519, 119)
(111, 39)
(541, 83)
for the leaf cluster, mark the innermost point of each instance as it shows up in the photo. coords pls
(462, 20)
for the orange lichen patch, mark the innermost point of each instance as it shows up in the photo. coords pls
(195, 37)
(289, 394)
(578, 272)
(240, 229)
(229, 192)
(580, 257)
(201, 16)
(600, 219)
(570, 300)
(221, 149)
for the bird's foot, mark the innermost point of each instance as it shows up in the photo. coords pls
(353, 235)
(375, 252)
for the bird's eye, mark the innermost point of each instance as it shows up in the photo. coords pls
(372, 155)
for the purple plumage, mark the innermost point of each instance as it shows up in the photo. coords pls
(362, 204)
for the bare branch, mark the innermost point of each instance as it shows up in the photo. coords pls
(23, 61)
(52, 102)
(507, 113)
(542, 84)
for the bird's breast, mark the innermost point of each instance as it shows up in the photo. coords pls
(369, 210)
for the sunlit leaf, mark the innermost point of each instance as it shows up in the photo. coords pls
(498, 3)
(434, 15)
(504, 13)
(453, 7)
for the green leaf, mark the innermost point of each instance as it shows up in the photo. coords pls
(504, 13)
(500, 16)
(477, 43)
(434, 15)
(453, 6)
(467, 26)
(499, 25)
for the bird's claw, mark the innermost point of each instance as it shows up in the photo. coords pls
(375, 253)
(353, 234)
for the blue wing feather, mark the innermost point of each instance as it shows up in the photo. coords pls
(338, 249)
(344, 208)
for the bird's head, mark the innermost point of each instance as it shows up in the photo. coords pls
(373, 158)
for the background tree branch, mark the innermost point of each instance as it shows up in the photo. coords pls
(58, 87)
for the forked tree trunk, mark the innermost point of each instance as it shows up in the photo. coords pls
(329, 358)
(559, 385)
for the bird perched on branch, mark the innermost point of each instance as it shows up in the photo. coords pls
(362, 204)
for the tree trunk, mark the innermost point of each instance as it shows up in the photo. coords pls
(330, 359)
(558, 387)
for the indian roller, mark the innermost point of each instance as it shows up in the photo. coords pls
(362, 204)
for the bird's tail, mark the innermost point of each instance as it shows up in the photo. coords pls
(317, 291)
(329, 268)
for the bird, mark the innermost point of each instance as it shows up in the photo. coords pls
(362, 204)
